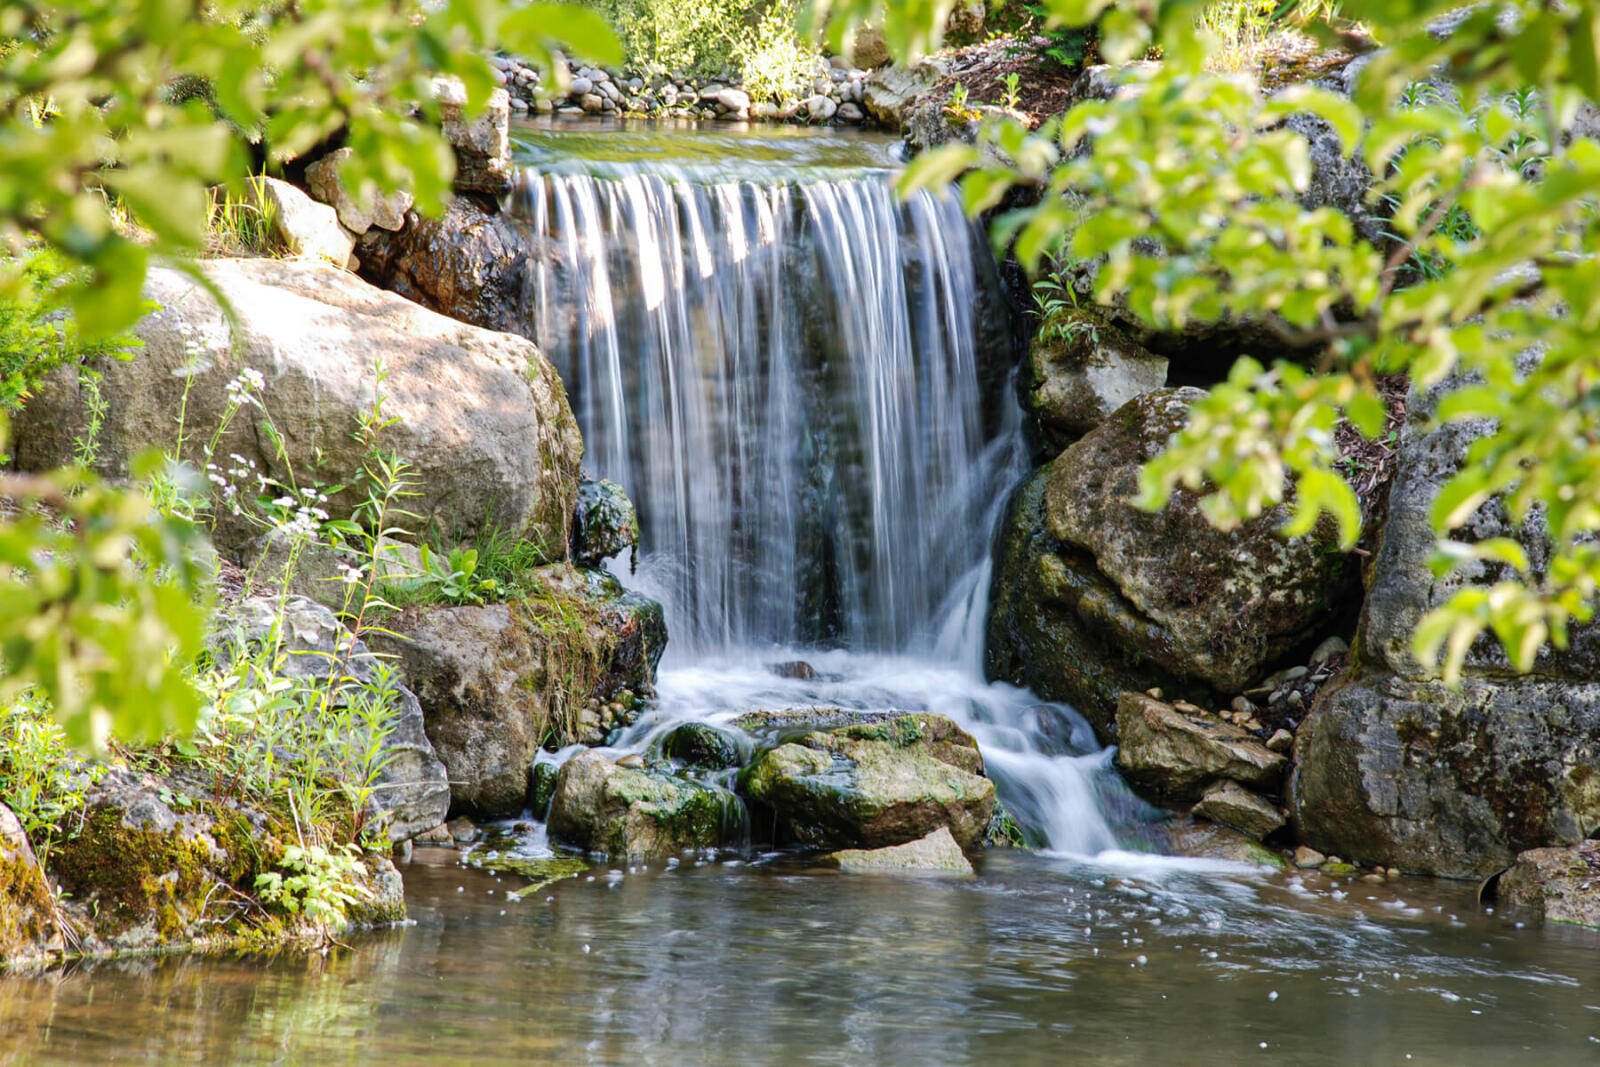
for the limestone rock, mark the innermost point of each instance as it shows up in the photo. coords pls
(875, 784)
(357, 215)
(1178, 755)
(495, 680)
(1556, 884)
(622, 812)
(1447, 782)
(1072, 381)
(936, 852)
(1231, 804)
(300, 224)
(481, 417)
(411, 788)
(1094, 596)
(1395, 768)
(482, 142)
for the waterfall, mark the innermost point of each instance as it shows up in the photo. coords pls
(803, 384)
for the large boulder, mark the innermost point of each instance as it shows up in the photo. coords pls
(1556, 884)
(1393, 766)
(1181, 756)
(480, 417)
(411, 791)
(892, 91)
(496, 681)
(1077, 374)
(633, 812)
(299, 224)
(876, 784)
(1094, 596)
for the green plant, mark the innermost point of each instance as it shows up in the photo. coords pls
(1187, 192)
(774, 60)
(451, 578)
(1061, 318)
(238, 224)
(956, 110)
(1011, 99)
(321, 883)
(42, 779)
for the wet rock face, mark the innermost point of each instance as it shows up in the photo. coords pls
(634, 812)
(874, 785)
(1094, 596)
(411, 788)
(1556, 884)
(1397, 769)
(606, 523)
(496, 681)
(481, 417)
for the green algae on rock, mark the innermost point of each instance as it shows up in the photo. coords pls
(875, 784)
(625, 811)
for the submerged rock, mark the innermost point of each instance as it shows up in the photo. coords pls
(498, 680)
(937, 851)
(1181, 756)
(1231, 804)
(1394, 767)
(875, 784)
(480, 417)
(1212, 841)
(1556, 884)
(620, 811)
(1094, 596)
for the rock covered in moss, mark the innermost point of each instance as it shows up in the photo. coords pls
(875, 784)
(1556, 884)
(628, 811)
(152, 867)
(605, 525)
(937, 852)
(496, 681)
(697, 744)
(28, 930)
(411, 788)
(1095, 592)
(1180, 756)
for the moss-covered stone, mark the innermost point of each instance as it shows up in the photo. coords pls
(696, 744)
(875, 784)
(625, 811)
(28, 930)
(497, 681)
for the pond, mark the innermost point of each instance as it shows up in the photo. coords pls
(759, 960)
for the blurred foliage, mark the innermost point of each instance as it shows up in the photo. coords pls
(121, 99)
(1186, 187)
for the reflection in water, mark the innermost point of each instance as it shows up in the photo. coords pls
(1037, 961)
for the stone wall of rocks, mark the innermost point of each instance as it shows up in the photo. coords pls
(837, 90)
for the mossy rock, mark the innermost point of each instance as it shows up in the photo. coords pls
(875, 784)
(543, 787)
(28, 931)
(624, 811)
(695, 744)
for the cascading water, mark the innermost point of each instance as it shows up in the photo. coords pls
(802, 384)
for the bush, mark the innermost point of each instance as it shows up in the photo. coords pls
(759, 41)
